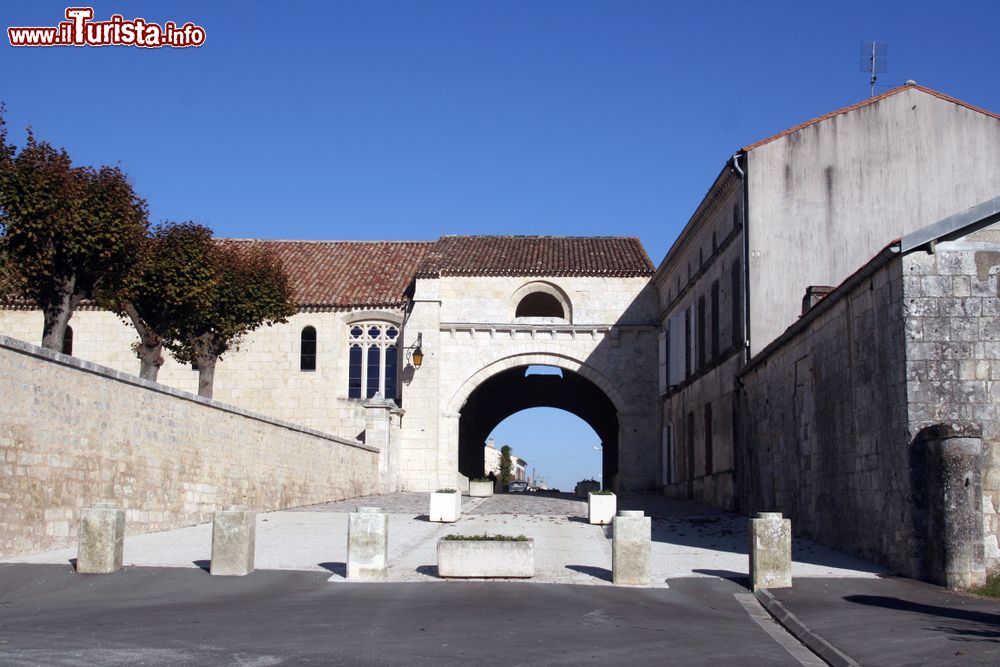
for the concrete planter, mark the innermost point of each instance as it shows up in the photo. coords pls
(583, 488)
(480, 489)
(445, 507)
(486, 558)
(601, 508)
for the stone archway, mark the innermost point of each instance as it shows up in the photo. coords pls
(502, 388)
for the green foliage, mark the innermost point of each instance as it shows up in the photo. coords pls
(447, 491)
(482, 479)
(236, 289)
(603, 492)
(505, 465)
(992, 586)
(486, 538)
(66, 233)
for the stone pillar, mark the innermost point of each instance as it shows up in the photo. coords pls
(770, 551)
(234, 532)
(954, 504)
(367, 544)
(630, 548)
(101, 539)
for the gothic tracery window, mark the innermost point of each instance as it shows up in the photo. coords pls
(372, 359)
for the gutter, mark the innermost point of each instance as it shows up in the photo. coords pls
(745, 287)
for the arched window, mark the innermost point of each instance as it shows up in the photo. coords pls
(372, 360)
(307, 349)
(539, 304)
(67, 345)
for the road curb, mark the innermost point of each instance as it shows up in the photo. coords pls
(821, 647)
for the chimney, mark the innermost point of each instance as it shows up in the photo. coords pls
(814, 294)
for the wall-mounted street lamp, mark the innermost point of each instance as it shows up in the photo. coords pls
(414, 353)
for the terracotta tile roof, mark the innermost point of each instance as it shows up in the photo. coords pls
(536, 256)
(353, 274)
(871, 100)
(372, 274)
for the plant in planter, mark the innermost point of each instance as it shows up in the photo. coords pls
(488, 556)
(601, 507)
(480, 488)
(446, 505)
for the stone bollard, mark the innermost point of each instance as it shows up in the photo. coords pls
(630, 548)
(234, 532)
(101, 539)
(367, 544)
(770, 551)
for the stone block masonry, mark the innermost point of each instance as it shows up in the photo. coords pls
(74, 434)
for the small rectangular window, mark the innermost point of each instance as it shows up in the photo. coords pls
(701, 332)
(708, 439)
(736, 297)
(715, 320)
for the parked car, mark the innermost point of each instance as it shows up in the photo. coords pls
(517, 487)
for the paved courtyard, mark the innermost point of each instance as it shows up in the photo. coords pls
(689, 540)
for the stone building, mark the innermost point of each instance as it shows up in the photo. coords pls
(787, 217)
(480, 309)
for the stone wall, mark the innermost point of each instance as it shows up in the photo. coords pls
(952, 320)
(826, 423)
(262, 375)
(835, 407)
(73, 433)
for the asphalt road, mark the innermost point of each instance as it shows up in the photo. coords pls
(49, 615)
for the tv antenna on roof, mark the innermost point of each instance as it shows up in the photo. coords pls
(873, 55)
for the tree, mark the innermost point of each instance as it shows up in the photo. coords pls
(505, 465)
(248, 288)
(173, 275)
(66, 232)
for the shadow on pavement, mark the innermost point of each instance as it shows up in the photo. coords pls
(597, 572)
(203, 564)
(429, 570)
(735, 577)
(897, 604)
(339, 569)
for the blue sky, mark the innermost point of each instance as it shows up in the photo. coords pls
(408, 120)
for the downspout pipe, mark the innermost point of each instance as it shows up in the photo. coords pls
(745, 288)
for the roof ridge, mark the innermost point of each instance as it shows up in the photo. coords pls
(359, 241)
(864, 103)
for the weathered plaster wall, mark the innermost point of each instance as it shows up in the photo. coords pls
(73, 433)
(827, 198)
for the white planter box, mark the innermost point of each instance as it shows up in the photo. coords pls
(486, 558)
(445, 507)
(480, 489)
(601, 508)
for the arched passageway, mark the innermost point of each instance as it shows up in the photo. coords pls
(512, 391)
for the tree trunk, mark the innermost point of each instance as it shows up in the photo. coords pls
(56, 317)
(149, 349)
(206, 375)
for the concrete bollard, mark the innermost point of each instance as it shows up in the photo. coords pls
(101, 540)
(367, 544)
(234, 535)
(770, 551)
(630, 548)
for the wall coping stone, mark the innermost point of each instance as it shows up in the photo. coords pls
(27, 349)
